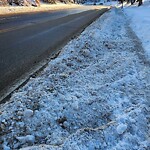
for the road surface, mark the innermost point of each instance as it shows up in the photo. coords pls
(27, 39)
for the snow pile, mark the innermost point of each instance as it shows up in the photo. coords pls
(140, 23)
(93, 96)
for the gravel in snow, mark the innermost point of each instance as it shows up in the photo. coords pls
(93, 96)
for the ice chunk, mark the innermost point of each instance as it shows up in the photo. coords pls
(121, 128)
(28, 113)
(26, 139)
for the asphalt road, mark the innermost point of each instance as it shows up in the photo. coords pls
(27, 39)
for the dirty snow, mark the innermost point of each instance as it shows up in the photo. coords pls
(140, 23)
(93, 96)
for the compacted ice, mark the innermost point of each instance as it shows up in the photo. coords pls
(93, 96)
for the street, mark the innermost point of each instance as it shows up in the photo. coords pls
(27, 39)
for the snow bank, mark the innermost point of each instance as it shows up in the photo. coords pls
(44, 7)
(140, 23)
(94, 95)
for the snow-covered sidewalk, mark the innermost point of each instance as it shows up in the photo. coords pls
(93, 96)
(140, 23)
